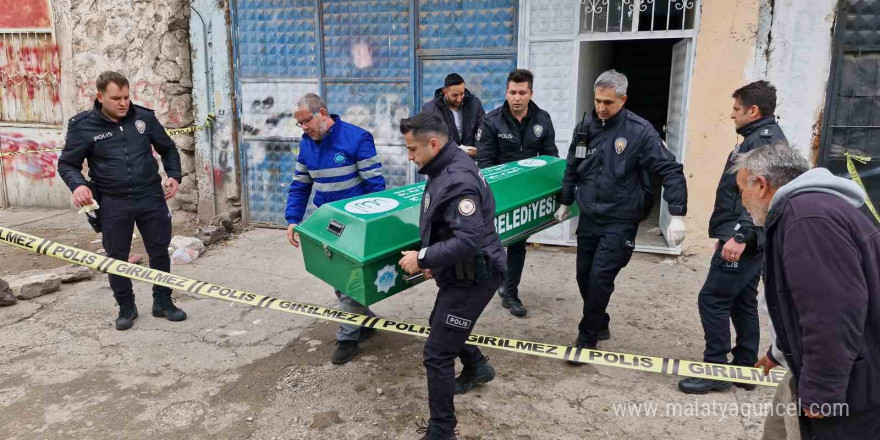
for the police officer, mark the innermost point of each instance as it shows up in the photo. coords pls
(339, 161)
(517, 130)
(608, 160)
(117, 138)
(462, 253)
(731, 288)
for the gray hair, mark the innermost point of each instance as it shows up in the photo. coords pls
(310, 102)
(612, 79)
(779, 163)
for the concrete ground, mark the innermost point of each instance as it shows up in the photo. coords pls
(237, 372)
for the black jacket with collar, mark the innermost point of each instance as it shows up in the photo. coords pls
(498, 140)
(457, 222)
(729, 211)
(119, 153)
(608, 172)
(471, 116)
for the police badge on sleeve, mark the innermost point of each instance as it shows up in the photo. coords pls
(141, 126)
(620, 145)
(467, 207)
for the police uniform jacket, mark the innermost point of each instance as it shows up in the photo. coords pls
(119, 154)
(606, 166)
(729, 215)
(456, 224)
(499, 140)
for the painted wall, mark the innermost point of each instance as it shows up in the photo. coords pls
(794, 48)
(216, 152)
(725, 44)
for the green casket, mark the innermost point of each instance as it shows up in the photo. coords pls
(354, 244)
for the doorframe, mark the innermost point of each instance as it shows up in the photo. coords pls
(575, 37)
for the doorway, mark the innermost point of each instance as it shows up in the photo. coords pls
(659, 74)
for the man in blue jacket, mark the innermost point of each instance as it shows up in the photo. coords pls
(339, 160)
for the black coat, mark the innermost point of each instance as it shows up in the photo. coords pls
(120, 154)
(499, 140)
(728, 210)
(471, 116)
(457, 222)
(607, 165)
(823, 293)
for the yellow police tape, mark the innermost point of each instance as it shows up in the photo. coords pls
(854, 175)
(208, 121)
(651, 364)
(44, 150)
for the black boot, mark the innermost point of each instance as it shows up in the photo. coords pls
(163, 306)
(604, 334)
(517, 308)
(432, 432)
(696, 385)
(128, 312)
(474, 375)
(583, 343)
(345, 352)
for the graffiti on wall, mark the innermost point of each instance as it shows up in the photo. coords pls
(33, 166)
(30, 76)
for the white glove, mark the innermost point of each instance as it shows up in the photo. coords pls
(675, 232)
(466, 148)
(562, 213)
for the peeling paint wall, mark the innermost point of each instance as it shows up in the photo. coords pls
(148, 41)
(795, 55)
(213, 92)
(725, 45)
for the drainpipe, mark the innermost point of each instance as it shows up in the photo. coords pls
(209, 91)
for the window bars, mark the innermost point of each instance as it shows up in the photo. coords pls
(604, 16)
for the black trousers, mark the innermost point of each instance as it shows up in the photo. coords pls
(118, 216)
(730, 293)
(603, 249)
(516, 261)
(455, 312)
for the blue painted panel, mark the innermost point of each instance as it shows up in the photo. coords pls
(269, 169)
(485, 78)
(366, 38)
(277, 38)
(471, 24)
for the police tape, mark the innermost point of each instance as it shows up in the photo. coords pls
(45, 150)
(191, 129)
(854, 175)
(651, 364)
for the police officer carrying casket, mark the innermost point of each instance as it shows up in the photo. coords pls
(609, 157)
(517, 130)
(461, 251)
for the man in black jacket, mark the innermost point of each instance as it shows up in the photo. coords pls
(517, 130)
(460, 110)
(608, 159)
(730, 292)
(822, 285)
(117, 138)
(461, 251)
